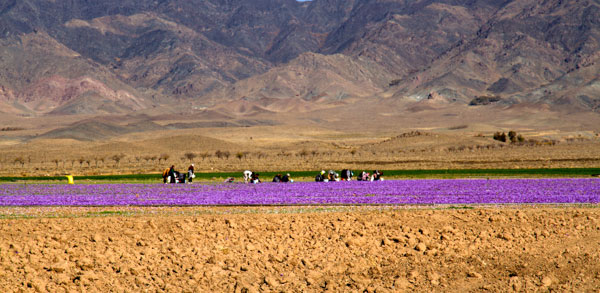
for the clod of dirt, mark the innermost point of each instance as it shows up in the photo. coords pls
(473, 274)
(421, 247)
(59, 267)
(546, 281)
(401, 284)
(515, 283)
(85, 264)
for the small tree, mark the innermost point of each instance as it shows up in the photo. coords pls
(117, 158)
(500, 136)
(190, 156)
(303, 153)
(205, 155)
(520, 138)
(163, 157)
(512, 136)
(503, 137)
(20, 160)
(353, 152)
(55, 161)
(81, 160)
(219, 154)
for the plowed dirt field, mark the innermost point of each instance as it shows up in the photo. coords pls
(301, 249)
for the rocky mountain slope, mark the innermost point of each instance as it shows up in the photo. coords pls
(76, 57)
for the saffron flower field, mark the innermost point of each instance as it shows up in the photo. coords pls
(392, 192)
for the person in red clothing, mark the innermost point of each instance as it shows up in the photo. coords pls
(191, 174)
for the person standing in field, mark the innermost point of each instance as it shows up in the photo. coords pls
(191, 174)
(172, 174)
(165, 175)
(247, 176)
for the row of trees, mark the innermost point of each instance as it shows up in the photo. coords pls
(512, 136)
(117, 159)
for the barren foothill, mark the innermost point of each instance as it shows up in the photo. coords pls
(378, 249)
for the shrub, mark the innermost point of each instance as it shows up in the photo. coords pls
(395, 82)
(240, 155)
(484, 100)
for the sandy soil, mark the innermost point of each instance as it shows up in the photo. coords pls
(295, 249)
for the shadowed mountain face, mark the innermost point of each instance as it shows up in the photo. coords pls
(105, 57)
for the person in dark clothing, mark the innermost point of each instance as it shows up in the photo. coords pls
(346, 175)
(277, 178)
(286, 178)
(363, 176)
(172, 174)
(255, 178)
(320, 177)
(376, 175)
(191, 174)
(179, 177)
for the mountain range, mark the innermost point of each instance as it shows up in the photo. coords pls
(240, 57)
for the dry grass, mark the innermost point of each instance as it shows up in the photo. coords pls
(281, 148)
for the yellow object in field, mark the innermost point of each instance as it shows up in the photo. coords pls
(70, 178)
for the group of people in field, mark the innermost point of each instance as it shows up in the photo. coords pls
(348, 175)
(331, 176)
(170, 175)
(253, 177)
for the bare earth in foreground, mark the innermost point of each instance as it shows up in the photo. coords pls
(378, 249)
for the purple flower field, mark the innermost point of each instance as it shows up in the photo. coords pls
(392, 192)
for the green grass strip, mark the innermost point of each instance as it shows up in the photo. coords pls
(308, 175)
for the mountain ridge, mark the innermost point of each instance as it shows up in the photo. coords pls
(126, 56)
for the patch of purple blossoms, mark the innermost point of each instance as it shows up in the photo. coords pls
(391, 192)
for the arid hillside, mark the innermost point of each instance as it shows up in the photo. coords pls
(168, 56)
